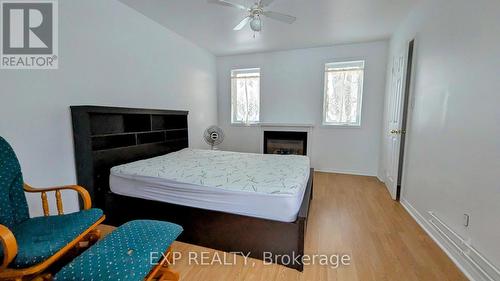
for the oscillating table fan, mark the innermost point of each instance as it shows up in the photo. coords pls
(213, 136)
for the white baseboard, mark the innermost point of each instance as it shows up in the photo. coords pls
(346, 172)
(471, 270)
(380, 179)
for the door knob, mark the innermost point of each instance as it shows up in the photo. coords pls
(398, 132)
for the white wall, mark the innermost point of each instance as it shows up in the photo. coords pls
(453, 152)
(109, 55)
(292, 92)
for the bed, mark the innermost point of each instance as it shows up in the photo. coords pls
(136, 164)
(257, 185)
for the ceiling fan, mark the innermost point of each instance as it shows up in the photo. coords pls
(255, 12)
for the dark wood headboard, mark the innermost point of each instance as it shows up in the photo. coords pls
(108, 136)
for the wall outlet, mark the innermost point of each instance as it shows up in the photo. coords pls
(466, 220)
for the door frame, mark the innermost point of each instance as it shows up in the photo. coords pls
(407, 108)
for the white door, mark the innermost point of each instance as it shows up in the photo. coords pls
(393, 133)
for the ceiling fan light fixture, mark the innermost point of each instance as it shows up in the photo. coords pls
(256, 24)
(254, 13)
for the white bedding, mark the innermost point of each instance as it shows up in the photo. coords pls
(258, 185)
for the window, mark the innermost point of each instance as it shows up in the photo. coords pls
(343, 93)
(245, 96)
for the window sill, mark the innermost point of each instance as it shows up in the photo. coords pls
(264, 125)
(245, 125)
(340, 126)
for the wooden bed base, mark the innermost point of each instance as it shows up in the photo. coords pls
(219, 230)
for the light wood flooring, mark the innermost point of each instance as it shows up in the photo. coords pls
(351, 215)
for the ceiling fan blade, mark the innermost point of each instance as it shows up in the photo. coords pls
(280, 17)
(242, 23)
(265, 3)
(228, 4)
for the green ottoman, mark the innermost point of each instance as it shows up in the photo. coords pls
(125, 254)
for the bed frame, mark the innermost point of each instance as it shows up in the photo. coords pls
(108, 136)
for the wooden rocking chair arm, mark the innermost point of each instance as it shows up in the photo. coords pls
(9, 245)
(84, 194)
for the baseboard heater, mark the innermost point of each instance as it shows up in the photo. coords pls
(476, 260)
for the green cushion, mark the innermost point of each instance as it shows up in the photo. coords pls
(13, 206)
(40, 238)
(124, 254)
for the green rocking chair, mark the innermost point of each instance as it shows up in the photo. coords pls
(30, 246)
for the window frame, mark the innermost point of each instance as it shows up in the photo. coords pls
(358, 124)
(233, 93)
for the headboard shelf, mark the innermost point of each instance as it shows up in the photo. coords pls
(178, 140)
(112, 141)
(151, 137)
(174, 130)
(161, 122)
(108, 136)
(138, 132)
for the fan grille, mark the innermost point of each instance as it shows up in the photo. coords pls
(213, 135)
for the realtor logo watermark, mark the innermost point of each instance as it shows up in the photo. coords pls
(29, 34)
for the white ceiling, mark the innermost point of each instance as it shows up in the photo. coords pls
(319, 23)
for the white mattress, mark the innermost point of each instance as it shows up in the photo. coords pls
(257, 185)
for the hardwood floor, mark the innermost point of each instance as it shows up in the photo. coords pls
(351, 215)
